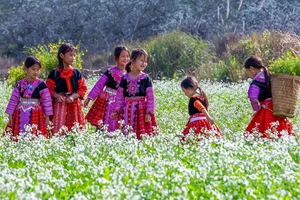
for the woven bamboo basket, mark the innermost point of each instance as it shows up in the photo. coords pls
(284, 94)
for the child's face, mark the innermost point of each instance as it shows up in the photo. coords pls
(252, 72)
(33, 72)
(123, 59)
(140, 63)
(188, 91)
(68, 58)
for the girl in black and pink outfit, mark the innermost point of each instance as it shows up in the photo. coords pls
(104, 92)
(135, 96)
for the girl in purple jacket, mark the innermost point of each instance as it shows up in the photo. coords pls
(104, 92)
(30, 103)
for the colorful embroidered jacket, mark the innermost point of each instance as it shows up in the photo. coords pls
(258, 91)
(27, 90)
(66, 81)
(111, 79)
(137, 87)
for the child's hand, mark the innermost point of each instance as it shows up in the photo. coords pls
(59, 97)
(10, 119)
(114, 115)
(70, 99)
(47, 120)
(211, 120)
(147, 117)
(86, 102)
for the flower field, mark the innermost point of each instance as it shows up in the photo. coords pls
(89, 165)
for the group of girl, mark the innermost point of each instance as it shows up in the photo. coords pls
(123, 93)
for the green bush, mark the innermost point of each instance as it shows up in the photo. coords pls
(47, 54)
(269, 45)
(177, 54)
(15, 74)
(229, 70)
(286, 64)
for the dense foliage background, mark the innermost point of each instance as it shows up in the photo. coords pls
(100, 24)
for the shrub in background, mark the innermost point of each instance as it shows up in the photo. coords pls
(15, 74)
(47, 54)
(176, 54)
(234, 49)
(229, 70)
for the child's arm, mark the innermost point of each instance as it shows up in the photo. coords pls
(50, 82)
(150, 101)
(47, 120)
(201, 108)
(119, 99)
(253, 93)
(10, 119)
(96, 90)
(208, 117)
(98, 87)
(45, 99)
(82, 89)
(13, 102)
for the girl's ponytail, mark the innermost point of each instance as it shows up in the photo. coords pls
(128, 67)
(204, 96)
(267, 78)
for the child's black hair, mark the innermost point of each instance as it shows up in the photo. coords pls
(256, 62)
(192, 83)
(118, 50)
(134, 55)
(64, 48)
(30, 61)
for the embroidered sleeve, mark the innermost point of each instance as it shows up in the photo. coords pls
(45, 99)
(50, 82)
(150, 97)
(82, 87)
(98, 87)
(120, 97)
(13, 102)
(253, 93)
(199, 105)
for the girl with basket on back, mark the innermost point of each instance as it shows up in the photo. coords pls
(263, 122)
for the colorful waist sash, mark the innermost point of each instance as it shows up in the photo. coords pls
(27, 104)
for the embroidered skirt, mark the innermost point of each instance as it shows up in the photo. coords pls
(101, 110)
(134, 117)
(67, 114)
(264, 122)
(28, 112)
(199, 125)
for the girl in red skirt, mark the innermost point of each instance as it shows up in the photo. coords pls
(135, 97)
(263, 122)
(200, 122)
(104, 91)
(67, 88)
(30, 103)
